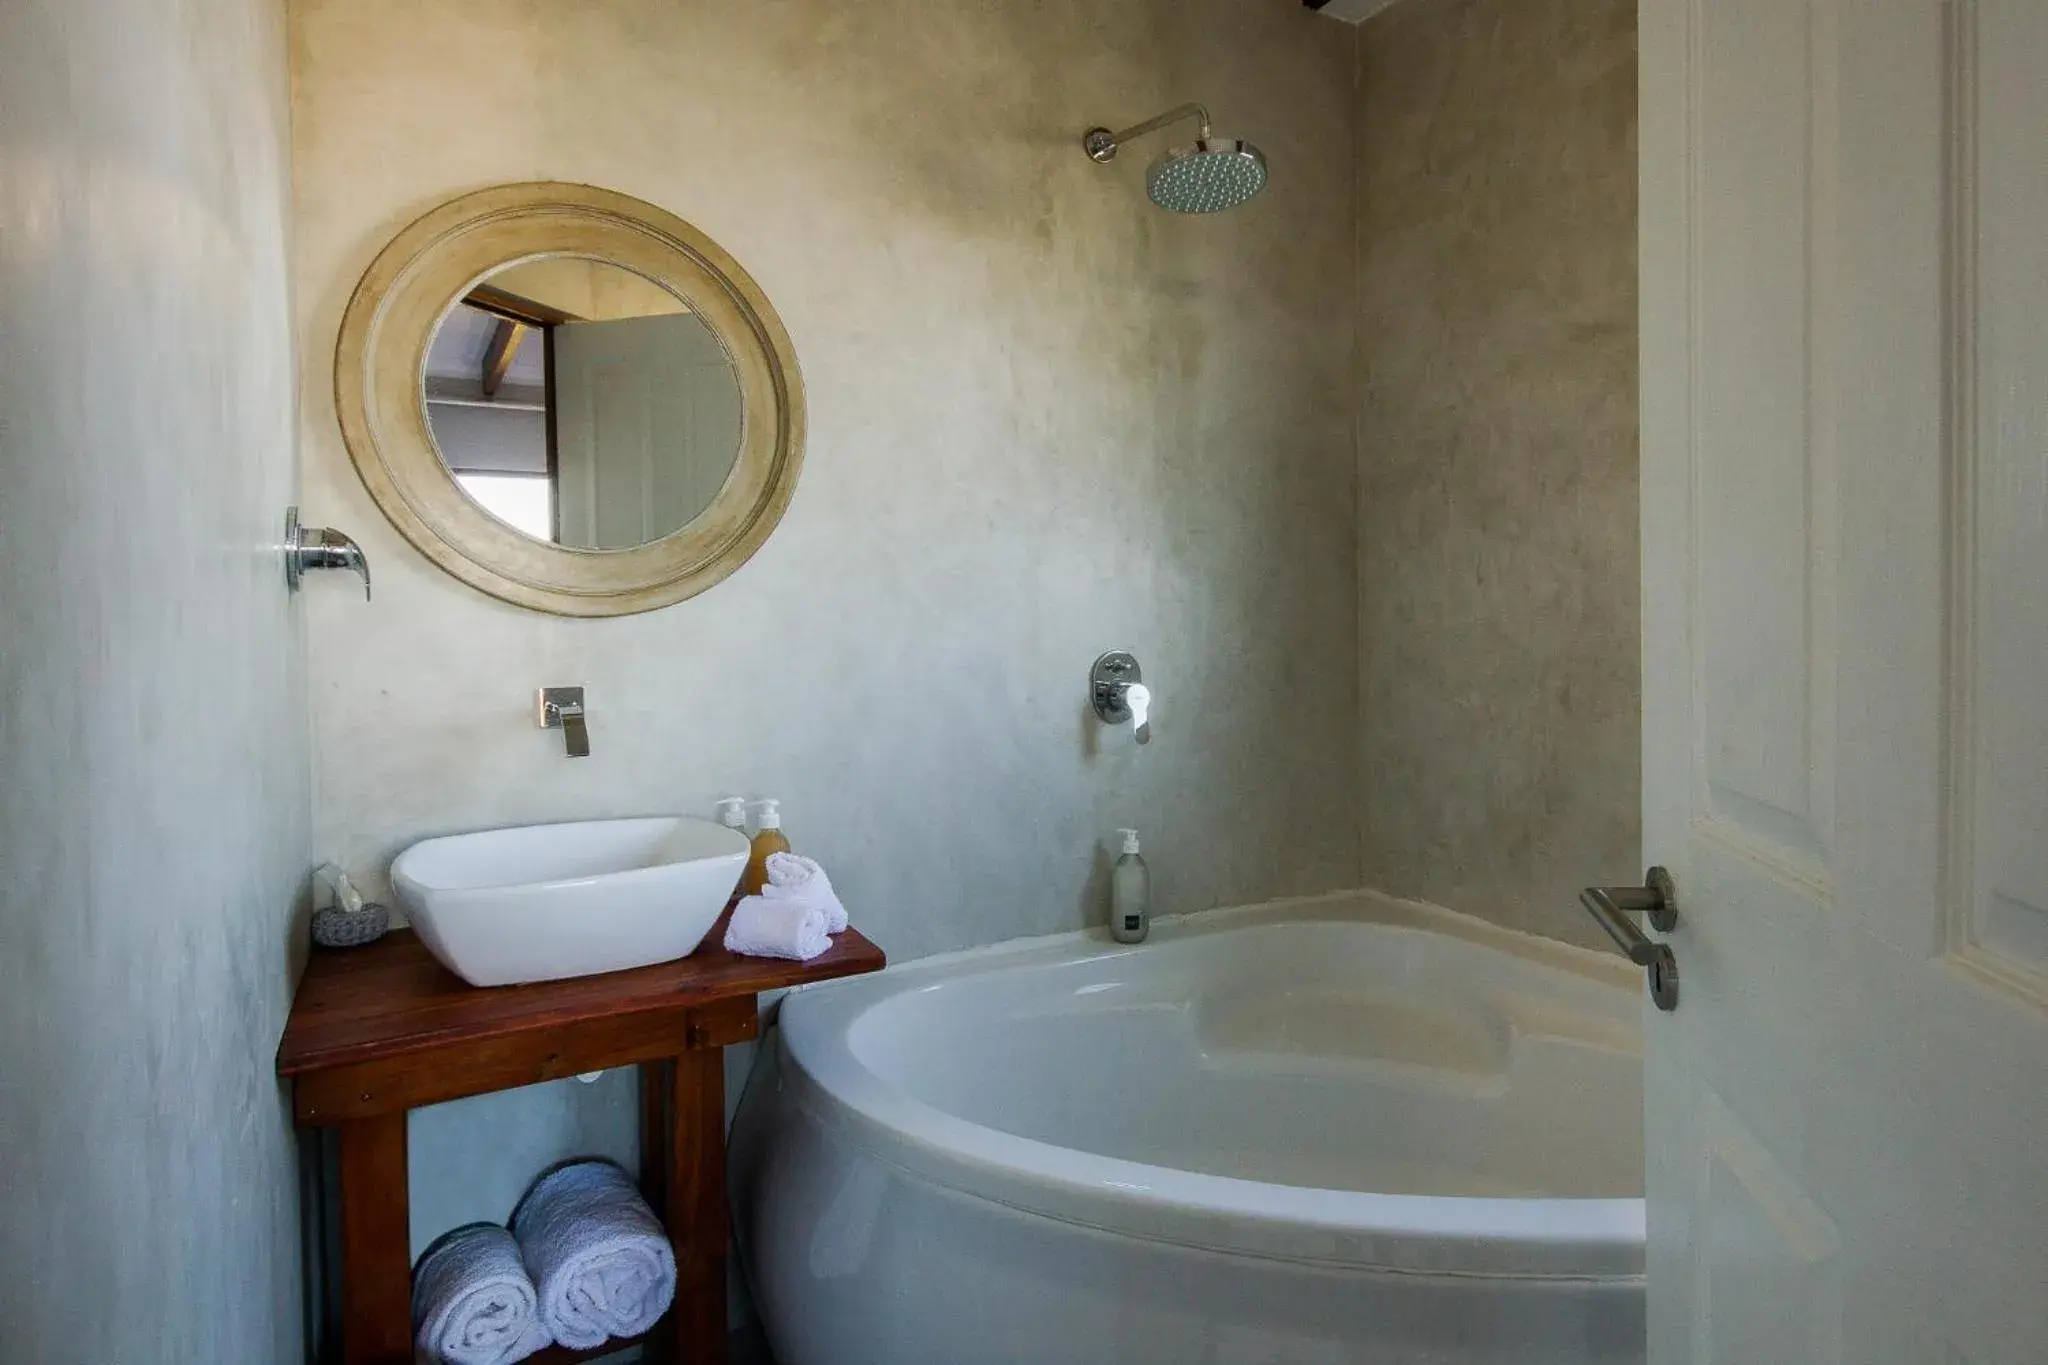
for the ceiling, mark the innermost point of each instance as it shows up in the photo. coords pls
(458, 349)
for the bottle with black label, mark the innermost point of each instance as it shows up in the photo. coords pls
(1130, 893)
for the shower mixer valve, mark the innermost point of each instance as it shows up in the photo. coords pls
(1116, 686)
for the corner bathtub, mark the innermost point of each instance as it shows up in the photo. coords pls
(1316, 1133)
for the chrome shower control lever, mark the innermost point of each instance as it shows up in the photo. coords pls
(1138, 698)
(1116, 686)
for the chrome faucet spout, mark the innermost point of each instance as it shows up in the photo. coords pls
(320, 547)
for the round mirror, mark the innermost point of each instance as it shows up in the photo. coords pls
(582, 404)
(570, 399)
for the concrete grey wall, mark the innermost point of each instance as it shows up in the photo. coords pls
(1497, 543)
(1046, 419)
(153, 739)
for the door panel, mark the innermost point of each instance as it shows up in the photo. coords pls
(1769, 1274)
(2002, 881)
(648, 419)
(1762, 702)
(1845, 531)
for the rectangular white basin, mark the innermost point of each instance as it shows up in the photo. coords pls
(543, 902)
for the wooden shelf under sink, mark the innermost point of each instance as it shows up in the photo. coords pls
(382, 1029)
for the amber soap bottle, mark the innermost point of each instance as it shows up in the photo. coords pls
(768, 839)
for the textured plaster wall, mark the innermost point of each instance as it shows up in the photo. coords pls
(1046, 419)
(1497, 550)
(153, 739)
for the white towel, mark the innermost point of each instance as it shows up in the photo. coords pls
(761, 927)
(600, 1261)
(472, 1301)
(793, 877)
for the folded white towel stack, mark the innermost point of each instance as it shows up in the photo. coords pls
(793, 877)
(761, 927)
(600, 1261)
(472, 1300)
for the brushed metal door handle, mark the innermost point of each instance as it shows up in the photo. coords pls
(1657, 899)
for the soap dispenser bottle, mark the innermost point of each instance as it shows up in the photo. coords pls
(732, 813)
(1130, 893)
(768, 840)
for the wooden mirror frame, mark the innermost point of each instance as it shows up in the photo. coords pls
(379, 394)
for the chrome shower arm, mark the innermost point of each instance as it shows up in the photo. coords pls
(1154, 124)
(1102, 144)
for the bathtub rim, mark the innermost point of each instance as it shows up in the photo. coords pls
(1440, 1235)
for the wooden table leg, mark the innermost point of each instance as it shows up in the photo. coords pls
(693, 1186)
(655, 1086)
(376, 1243)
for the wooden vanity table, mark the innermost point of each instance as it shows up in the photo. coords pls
(379, 1030)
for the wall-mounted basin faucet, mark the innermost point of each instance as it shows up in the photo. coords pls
(1116, 685)
(561, 708)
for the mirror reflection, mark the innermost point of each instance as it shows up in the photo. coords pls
(582, 403)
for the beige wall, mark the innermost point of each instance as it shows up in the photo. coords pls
(153, 782)
(1497, 455)
(1046, 419)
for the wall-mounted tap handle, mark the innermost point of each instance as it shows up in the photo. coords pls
(575, 734)
(561, 708)
(1138, 701)
(320, 547)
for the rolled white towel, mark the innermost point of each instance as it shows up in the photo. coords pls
(472, 1300)
(600, 1261)
(761, 927)
(793, 877)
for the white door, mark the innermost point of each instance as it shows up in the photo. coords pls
(647, 426)
(1845, 556)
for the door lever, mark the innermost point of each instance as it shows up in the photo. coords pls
(1610, 907)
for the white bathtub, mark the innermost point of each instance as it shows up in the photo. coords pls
(1347, 1130)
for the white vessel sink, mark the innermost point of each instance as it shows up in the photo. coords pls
(543, 902)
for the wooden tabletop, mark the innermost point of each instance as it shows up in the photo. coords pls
(391, 997)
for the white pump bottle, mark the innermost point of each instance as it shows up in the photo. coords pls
(1130, 894)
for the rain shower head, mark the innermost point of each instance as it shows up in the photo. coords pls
(1206, 176)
